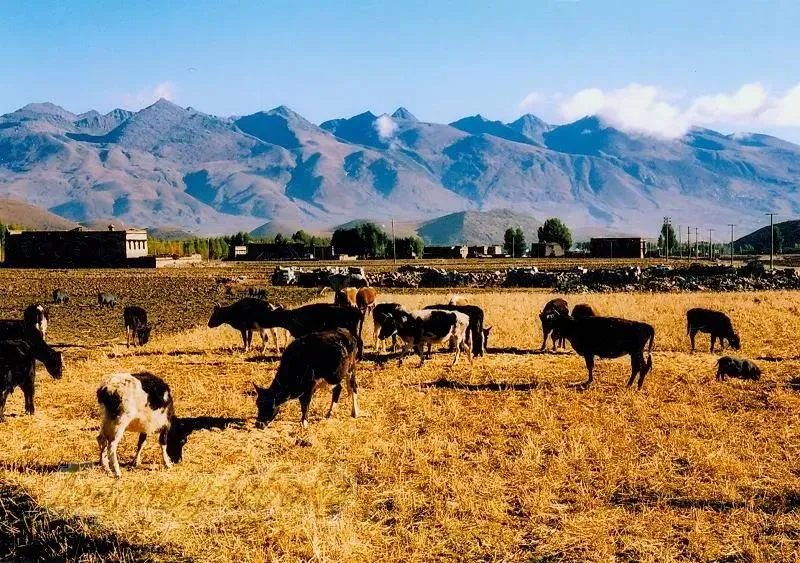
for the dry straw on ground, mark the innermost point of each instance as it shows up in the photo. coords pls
(686, 469)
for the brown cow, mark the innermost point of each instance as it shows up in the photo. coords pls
(345, 297)
(365, 301)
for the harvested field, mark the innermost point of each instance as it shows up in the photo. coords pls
(498, 461)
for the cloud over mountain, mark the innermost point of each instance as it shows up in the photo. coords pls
(649, 110)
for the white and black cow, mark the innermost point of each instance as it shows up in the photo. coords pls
(430, 326)
(105, 299)
(35, 319)
(142, 403)
(478, 334)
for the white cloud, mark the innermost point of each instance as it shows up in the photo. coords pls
(531, 101)
(637, 108)
(785, 111)
(385, 126)
(652, 111)
(147, 96)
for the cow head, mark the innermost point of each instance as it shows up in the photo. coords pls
(216, 316)
(143, 334)
(266, 405)
(177, 436)
(734, 342)
(486, 332)
(753, 372)
(54, 364)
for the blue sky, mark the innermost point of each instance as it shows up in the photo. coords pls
(654, 67)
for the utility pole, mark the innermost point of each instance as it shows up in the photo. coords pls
(667, 221)
(513, 243)
(731, 225)
(771, 238)
(680, 249)
(688, 244)
(710, 247)
(611, 248)
(394, 244)
(696, 245)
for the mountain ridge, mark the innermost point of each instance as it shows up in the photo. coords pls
(166, 165)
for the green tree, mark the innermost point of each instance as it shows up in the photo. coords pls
(667, 240)
(554, 230)
(366, 240)
(303, 237)
(514, 242)
(408, 246)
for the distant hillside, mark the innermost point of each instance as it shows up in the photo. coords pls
(476, 227)
(760, 239)
(166, 165)
(13, 212)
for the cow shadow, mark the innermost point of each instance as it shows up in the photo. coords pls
(263, 359)
(48, 468)
(513, 350)
(445, 383)
(778, 358)
(192, 424)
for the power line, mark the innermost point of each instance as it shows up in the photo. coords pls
(731, 225)
(771, 238)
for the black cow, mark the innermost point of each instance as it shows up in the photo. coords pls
(60, 297)
(247, 315)
(136, 327)
(610, 337)
(106, 299)
(317, 317)
(554, 311)
(35, 319)
(714, 322)
(583, 310)
(328, 356)
(18, 368)
(475, 314)
(734, 367)
(380, 315)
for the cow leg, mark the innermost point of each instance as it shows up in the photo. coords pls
(139, 446)
(418, 350)
(713, 341)
(458, 353)
(544, 341)
(646, 367)
(264, 338)
(119, 431)
(590, 368)
(305, 402)
(636, 365)
(162, 441)
(336, 392)
(353, 384)
(128, 337)
(692, 334)
(102, 442)
(274, 332)
(28, 389)
(3, 398)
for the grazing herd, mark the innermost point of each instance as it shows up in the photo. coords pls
(326, 348)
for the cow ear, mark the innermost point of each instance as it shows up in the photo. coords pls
(217, 306)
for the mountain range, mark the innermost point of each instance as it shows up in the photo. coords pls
(169, 166)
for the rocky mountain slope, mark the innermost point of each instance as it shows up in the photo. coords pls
(171, 166)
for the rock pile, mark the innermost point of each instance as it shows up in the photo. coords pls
(697, 277)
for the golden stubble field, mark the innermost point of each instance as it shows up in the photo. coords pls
(686, 469)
